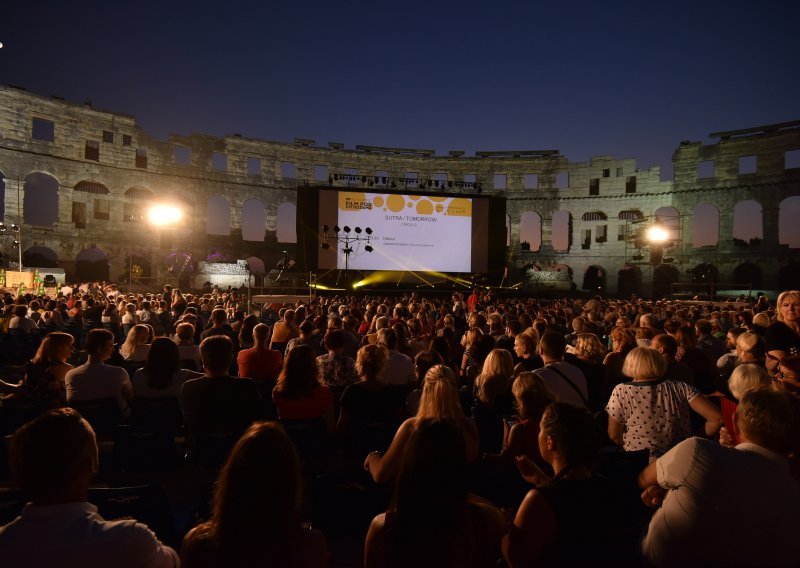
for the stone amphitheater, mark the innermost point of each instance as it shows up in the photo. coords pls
(78, 181)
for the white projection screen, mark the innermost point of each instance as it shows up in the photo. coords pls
(410, 232)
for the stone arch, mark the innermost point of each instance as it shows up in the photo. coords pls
(594, 278)
(664, 276)
(254, 220)
(748, 225)
(286, 227)
(218, 216)
(39, 257)
(256, 265)
(92, 265)
(789, 276)
(530, 230)
(40, 204)
(670, 219)
(788, 214)
(705, 225)
(139, 193)
(560, 231)
(748, 273)
(93, 187)
(629, 280)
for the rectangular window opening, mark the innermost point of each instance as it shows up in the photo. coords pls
(601, 233)
(219, 161)
(182, 155)
(141, 158)
(791, 159)
(619, 172)
(500, 181)
(108, 137)
(705, 169)
(288, 170)
(127, 140)
(531, 181)
(320, 172)
(43, 130)
(102, 209)
(594, 186)
(606, 172)
(748, 165)
(630, 184)
(587, 239)
(562, 180)
(622, 231)
(79, 214)
(92, 150)
(253, 166)
(131, 212)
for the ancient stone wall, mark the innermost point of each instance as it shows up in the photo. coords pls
(107, 171)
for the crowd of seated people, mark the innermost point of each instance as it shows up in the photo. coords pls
(416, 402)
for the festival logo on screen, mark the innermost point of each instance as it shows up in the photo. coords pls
(417, 204)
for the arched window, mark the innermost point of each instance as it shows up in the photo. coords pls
(218, 217)
(253, 220)
(286, 231)
(40, 204)
(530, 230)
(747, 223)
(670, 219)
(705, 226)
(560, 231)
(788, 230)
(91, 187)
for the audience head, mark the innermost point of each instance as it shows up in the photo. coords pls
(185, 333)
(746, 377)
(216, 352)
(99, 341)
(439, 397)
(666, 345)
(257, 497)
(569, 431)
(770, 418)
(300, 374)
(388, 338)
(424, 360)
(495, 378)
(785, 301)
(54, 457)
(219, 317)
(750, 346)
(525, 345)
(371, 360)
(552, 345)
(56, 346)
(588, 346)
(163, 361)
(532, 395)
(644, 363)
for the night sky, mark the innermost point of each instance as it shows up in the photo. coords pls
(628, 79)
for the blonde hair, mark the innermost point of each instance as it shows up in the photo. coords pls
(472, 336)
(532, 394)
(440, 395)
(371, 360)
(750, 343)
(790, 294)
(761, 319)
(529, 341)
(644, 362)
(745, 377)
(495, 377)
(138, 335)
(589, 346)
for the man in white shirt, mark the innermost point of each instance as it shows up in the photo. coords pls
(54, 458)
(399, 368)
(94, 379)
(565, 380)
(722, 506)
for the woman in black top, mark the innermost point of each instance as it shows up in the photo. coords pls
(568, 520)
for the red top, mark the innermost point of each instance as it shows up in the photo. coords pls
(728, 408)
(259, 363)
(306, 407)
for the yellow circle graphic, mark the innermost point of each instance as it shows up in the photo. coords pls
(439, 207)
(378, 201)
(460, 207)
(438, 199)
(425, 207)
(414, 197)
(396, 203)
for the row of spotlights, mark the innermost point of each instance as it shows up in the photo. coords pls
(14, 227)
(337, 229)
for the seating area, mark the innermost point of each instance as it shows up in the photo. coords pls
(491, 366)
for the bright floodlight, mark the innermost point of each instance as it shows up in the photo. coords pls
(657, 234)
(164, 214)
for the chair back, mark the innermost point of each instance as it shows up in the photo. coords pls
(160, 414)
(102, 413)
(310, 437)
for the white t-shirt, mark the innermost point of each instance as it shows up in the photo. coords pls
(73, 535)
(561, 387)
(95, 381)
(725, 507)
